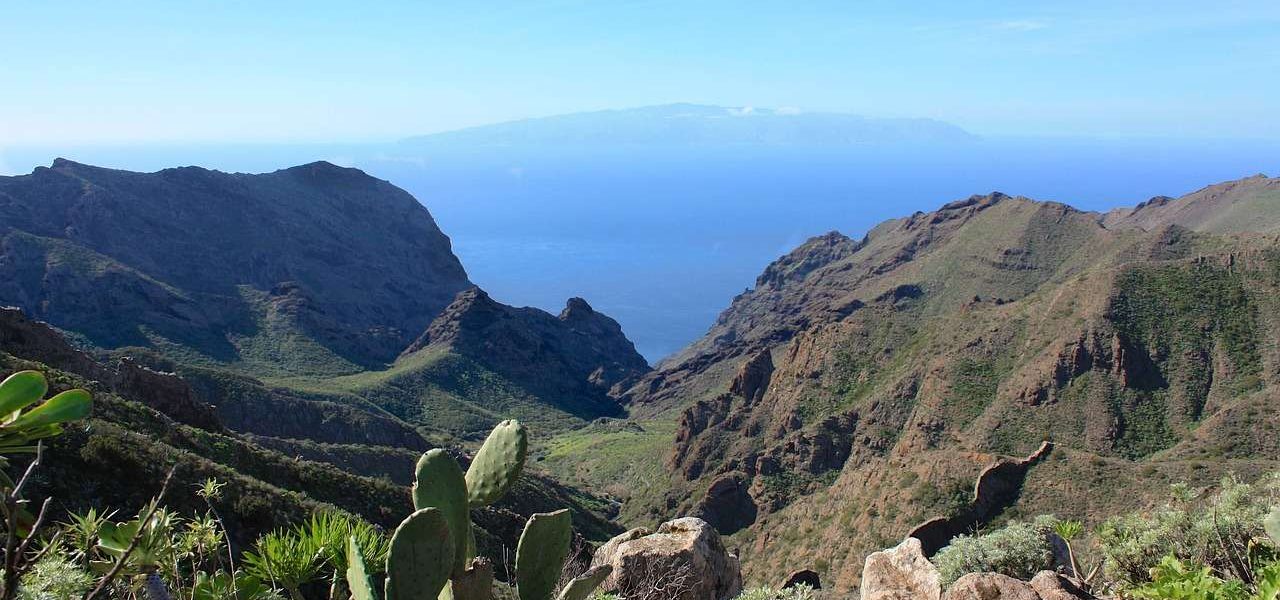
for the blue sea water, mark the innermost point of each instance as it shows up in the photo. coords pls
(661, 238)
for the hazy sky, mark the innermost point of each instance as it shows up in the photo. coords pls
(337, 71)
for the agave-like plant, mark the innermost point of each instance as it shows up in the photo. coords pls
(24, 421)
(287, 559)
(21, 425)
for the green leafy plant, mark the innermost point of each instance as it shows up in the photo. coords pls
(1173, 580)
(21, 425)
(286, 559)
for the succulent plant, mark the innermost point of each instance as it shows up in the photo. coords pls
(541, 552)
(20, 427)
(433, 551)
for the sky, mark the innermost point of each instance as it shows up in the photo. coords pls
(319, 71)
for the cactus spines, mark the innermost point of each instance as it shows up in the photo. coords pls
(439, 483)
(580, 587)
(541, 552)
(357, 576)
(421, 557)
(498, 464)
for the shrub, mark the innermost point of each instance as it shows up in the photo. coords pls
(799, 592)
(1019, 550)
(55, 577)
(1213, 531)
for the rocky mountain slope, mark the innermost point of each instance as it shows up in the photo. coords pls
(232, 267)
(318, 278)
(861, 387)
(304, 334)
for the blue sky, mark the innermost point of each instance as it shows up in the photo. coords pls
(142, 71)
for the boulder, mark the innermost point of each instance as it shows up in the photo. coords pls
(1054, 586)
(900, 573)
(990, 586)
(683, 560)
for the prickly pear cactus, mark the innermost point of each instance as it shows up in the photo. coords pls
(540, 555)
(581, 587)
(357, 576)
(498, 464)
(439, 483)
(421, 557)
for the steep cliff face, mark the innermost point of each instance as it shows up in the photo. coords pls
(860, 388)
(233, 267)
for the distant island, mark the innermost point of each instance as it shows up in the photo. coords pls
(696, 124)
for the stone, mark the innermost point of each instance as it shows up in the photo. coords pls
(990, 586)
(900, 573)
(1054, 586)
(684, 559)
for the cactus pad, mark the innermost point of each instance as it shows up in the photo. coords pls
(421, 557)
(498, 464)
(540, 555)
(439, 483)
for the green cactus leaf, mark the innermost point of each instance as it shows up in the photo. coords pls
(1273, 526)
(20, 390)
(67, 406)
(541, 552)
(357, 576)
(581, 587)
(498, 464)
(439, 483)
(421, 557)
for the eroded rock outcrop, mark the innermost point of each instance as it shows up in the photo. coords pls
(684, 558)
(997, 487)
(728, 505)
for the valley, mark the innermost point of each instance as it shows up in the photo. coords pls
(306, 334)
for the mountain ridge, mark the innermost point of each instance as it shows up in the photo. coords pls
(862, 385)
